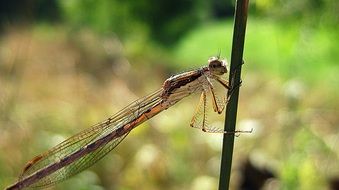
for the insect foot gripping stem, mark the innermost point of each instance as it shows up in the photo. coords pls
(238, 132)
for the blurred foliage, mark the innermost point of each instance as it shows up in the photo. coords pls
(67, 64)
(27, 11)
(312, 12)
(165, 21)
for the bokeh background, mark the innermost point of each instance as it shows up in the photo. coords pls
(68, 64)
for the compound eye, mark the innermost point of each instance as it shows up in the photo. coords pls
(215, 63)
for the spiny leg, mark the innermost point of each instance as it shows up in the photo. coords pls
(223, 82)
(231, 87)
(216, 107)
(204, 112)
(200, 110)
(219, 130)
(228, 86)
(214, 101)
(197, 112)
(212, 129)
(237, 69)
(200, 115)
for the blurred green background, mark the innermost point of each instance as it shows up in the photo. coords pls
(67, 64)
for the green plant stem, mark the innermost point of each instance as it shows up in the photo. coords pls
(232, 106)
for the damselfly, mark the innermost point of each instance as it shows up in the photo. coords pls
(87, 147)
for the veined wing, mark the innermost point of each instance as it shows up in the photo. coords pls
(209, 97)
(86, 137)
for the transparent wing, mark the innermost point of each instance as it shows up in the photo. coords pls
(86, 137)
(210, 96)
(78, 165)
(199, 119)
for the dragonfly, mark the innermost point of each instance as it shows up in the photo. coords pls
(90, 145)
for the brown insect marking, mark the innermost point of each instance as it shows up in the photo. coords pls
(33, 161)
(175, 83)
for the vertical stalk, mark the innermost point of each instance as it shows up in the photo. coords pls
(234, 78)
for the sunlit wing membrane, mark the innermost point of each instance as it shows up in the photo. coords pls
(75, 143)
